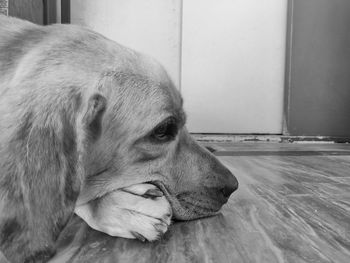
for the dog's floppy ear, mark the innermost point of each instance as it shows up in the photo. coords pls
(93, 117)
(39, 184)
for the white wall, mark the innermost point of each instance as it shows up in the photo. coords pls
(149, 26)
(233, 55)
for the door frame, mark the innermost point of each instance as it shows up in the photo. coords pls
(288, 66)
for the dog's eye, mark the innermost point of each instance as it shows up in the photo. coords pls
(165, 131)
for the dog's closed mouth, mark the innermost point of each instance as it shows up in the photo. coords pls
(180, 212)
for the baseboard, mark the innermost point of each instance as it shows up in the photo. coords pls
(268, 138)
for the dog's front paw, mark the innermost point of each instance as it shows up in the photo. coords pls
(139, 211)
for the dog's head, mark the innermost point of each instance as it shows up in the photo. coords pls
(129, 118)
(143, 138)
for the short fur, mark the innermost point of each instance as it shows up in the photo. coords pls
(76, 114)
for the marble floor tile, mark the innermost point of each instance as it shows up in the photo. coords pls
(289, 208)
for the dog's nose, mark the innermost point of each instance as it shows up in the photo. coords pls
(231, 186)
(227, 191)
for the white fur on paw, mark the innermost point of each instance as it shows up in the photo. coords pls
(139, 211)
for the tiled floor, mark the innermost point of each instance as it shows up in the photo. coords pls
(293, 205)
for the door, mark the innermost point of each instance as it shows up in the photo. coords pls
(319, 68)
(233, 57)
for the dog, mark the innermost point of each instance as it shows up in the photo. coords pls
(90, 126)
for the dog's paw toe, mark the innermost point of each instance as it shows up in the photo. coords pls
(140, 211)
(150, 201)
(161, 228)
(150, 230)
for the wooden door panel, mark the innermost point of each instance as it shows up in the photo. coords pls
(318, 76)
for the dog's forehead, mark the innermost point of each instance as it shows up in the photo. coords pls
(156, 78)
(146, 90)
(136, 97)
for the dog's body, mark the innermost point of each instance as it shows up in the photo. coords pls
(81, 116)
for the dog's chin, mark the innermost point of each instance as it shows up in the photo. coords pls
(189, 207)
(184, 210)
